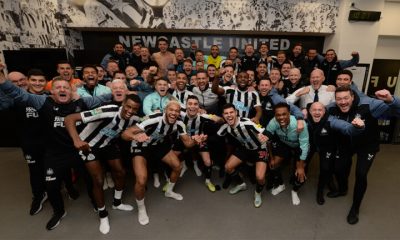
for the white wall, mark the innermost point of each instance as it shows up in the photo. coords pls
(388, 47)
(356, 36)
(390, 19)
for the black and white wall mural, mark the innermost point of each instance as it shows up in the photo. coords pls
(45, 23)
(260, 15)
(35, 24)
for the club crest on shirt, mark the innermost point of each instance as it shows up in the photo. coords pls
(50, 171)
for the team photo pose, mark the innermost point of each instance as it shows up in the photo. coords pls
(289, 144)
(97, 142)
(249, 150)
(152, 140)
(196, 124)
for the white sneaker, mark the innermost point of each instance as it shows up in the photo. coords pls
(156, 183)
(184, 169)
(110, 181)
(257, 199)
(104, 225)
(278, 189)
(238, 188)
(197, 169)
(123, 207)
(295, 198)
(142, 216)
(174, 195)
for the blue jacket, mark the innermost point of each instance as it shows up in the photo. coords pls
(368, 109)
(154, 101)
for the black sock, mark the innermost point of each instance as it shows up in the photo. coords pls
(276, 177)
(207, 172)
(117, 202)
(227, 181)
(259, 187)
(236, 177)
(103, 213)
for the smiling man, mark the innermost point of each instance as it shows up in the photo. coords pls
(66, 72)
(290, 144)
(366, 145)
(32, 139)
(181, 92)
(97, 142)
(323, 130)
(152, 139)
(249, 150)
(197, 124)
(246, 101)
(60, 155)
(91, 86)
(155, 102)
(316, 92)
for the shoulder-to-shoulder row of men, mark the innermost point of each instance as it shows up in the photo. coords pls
(247, 104)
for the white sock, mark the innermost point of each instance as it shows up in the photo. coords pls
(295, 198)
(142, 213)
(196, 169)
(105, 185)
(208, 180)
(102, 208)
(170, 187)
(171, 194)
(184, 168)
(156, 180)
(118, 194)
(110, 181)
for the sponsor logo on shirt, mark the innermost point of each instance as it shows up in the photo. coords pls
(96, 111)
(31, 112)
(50, 175)
(28, 159)
(109, 132)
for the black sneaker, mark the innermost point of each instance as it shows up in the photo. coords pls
(320, 197)
(352, 218)
(73, 194)
(37, 204)
(55, 220)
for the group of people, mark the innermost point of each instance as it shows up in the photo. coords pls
(160, 111)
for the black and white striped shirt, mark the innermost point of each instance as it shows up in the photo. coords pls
(158, 129)
(244, 101)
(245, 131)
(104, 125)
(196, 125)
(182, 97)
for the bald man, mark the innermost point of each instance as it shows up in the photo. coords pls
(323, 130)
(316, 92)
(294, 82)
(18, 79)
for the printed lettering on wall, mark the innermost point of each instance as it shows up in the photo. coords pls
(384, 75)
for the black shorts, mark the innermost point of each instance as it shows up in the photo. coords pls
(109, 152)
(286, 152)
(180, 147)
(251, 156)
(156, 152)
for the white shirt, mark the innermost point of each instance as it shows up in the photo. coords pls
(324, 97)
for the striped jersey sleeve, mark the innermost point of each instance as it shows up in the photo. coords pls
(103, 112)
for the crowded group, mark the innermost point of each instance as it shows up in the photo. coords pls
(254, 118)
